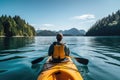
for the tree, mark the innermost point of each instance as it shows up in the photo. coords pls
(15, 26)
(107, 26)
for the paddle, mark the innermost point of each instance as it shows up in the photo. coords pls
(38, 60)
(80, 60)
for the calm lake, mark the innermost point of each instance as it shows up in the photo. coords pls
(103, 53)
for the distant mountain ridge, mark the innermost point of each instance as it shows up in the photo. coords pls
(74, 32)
(70, 32)
(45, 33)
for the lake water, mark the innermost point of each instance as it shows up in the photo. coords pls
(103, 54)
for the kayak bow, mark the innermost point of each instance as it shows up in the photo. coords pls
(65, 70)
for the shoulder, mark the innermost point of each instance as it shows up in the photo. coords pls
(65, 45)
(54, 43)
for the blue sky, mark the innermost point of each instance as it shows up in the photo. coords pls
(59, 14)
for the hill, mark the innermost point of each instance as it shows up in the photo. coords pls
(70, 32)
(74, 32)
(15, 26)
(107, 26)
(46, 33)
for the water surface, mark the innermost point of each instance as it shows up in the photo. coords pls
(103, 53)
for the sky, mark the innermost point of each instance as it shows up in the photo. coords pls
(58, 15)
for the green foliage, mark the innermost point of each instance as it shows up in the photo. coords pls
(15, 26)
(108, 26)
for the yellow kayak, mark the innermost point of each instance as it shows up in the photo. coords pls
(65, 70)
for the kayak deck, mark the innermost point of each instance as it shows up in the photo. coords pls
(60, 71)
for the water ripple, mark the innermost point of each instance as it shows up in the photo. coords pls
(101, 57)
(113, 63)
(1, 71)
(11, 58)
(102, 52)
(15, 51)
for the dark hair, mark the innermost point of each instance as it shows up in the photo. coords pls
(59, 36)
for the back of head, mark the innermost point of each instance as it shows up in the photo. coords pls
(59, 37)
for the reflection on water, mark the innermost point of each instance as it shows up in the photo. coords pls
(108, 46)
(105, 56)
(12, 66)
(108, 42)
(103, 53)
(14, 42)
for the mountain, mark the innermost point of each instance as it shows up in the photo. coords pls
(70, 32)
(74, 32)
(107, 26)
(15, 26)
(46, 33)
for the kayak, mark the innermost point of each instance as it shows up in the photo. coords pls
(65, 70)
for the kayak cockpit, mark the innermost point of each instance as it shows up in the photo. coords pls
(65, 70)
(60, 75)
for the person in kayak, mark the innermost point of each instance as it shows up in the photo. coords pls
(58, 50)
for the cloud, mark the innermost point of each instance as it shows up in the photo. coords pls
(43, 26)
(84, 17)
(47, 25)
(88, 21)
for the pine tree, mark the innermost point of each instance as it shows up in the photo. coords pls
(107, 26)
(15, 26)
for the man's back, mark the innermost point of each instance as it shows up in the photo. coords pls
(58, 50)
(51, 48)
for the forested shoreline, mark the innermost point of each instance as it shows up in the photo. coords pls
(15, 26)
(107, 26)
